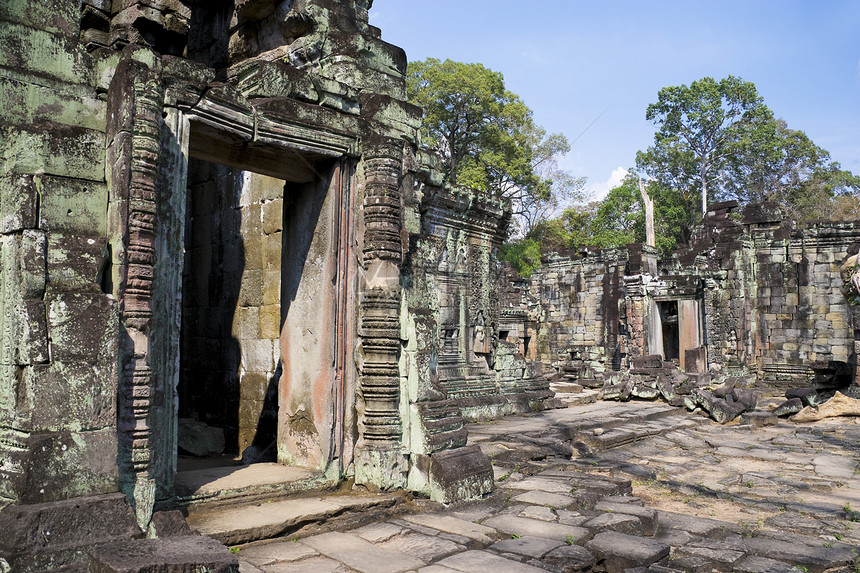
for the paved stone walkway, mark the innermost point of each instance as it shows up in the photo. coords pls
(618, 487)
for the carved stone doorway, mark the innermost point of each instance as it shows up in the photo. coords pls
(263, 240)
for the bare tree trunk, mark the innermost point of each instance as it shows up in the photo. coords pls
(650, 237)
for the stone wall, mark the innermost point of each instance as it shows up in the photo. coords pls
(59, 337)
(761, 298)
(209, 211)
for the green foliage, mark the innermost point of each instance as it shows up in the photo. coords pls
(524, 255)
(696, 125)
(488, 139)
(717, 140)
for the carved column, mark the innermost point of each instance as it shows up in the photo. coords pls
(135, 101)
(379, 456)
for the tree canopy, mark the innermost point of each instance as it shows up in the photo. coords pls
(715, 140)
(488, 139)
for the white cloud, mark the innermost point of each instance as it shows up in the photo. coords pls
(597, 191)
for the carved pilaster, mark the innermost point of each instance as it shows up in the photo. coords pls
(135, 99)
(379, 457)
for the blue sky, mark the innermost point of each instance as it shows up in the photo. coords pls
(577, 61)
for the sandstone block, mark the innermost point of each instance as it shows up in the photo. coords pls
(620, 551)
(176, 554)
(270, 322)
(18, 203)
(69, 342)
(74, 261)
(73, 206)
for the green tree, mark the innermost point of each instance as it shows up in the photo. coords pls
(697, 125)
(770, 162)
(488, 140)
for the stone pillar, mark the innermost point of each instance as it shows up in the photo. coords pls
(135, 101)
(379, 455)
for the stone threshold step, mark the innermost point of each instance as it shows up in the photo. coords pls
(244, 523)
(262, 481)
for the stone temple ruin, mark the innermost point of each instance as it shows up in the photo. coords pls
(216, 218)
(752, 301)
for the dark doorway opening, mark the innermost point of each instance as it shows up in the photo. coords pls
(231, 317)
(669, 323)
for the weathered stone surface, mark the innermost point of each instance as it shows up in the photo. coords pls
(199, 439)
(629, 524)
(361, 555)
(619, 551)
(838, 405)
(462, 473)
(478, 532)
(42, 536)
(485, 562)
(808, 396)
(569, 559)
(527, 546)
(177, 554)
(759, 418)
(647, 517)
(521, 526)
(789, 407)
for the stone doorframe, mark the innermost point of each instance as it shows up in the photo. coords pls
(148, 141)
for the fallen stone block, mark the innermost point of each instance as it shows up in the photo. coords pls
(722, 391)
(789, 407)
(199, 439)
(620, 522)
(666, 388)
(809, 396)
(744, 396)
(179, 554)
(759, 418)
(724, 412)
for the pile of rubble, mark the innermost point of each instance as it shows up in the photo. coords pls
(724, 399)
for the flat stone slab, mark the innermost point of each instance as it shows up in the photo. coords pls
(362, 555)
(453, 525)
(544, 484)
(621, 551)
(527, 545)
(485, 562)
(235, 525)
(647, 517)
(180, 554)
(314, 564)
(522, 526)
(834, 466)
(213, 480)
(279, 551)
(428, 548)
(544, 498)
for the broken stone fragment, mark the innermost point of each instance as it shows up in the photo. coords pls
(839, 405)
(788, 407)
(809, 396)
(649, 361)
(666, 388)
(199, 439)
(644, 392)
(748, 398)
(759, 418)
